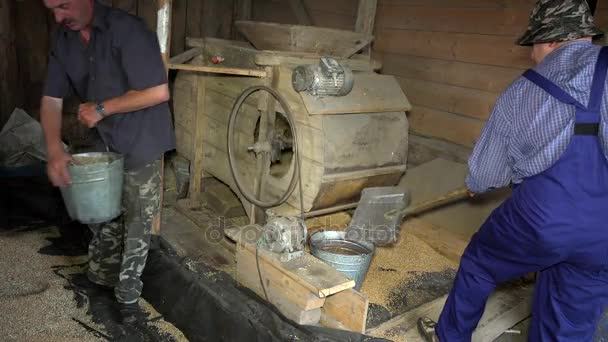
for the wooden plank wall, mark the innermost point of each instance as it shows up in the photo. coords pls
(451, 57)
(10, 91)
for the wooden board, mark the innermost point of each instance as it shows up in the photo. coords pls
(464, 3)
(492, 21)
(458, 100)
(475, 76)
(219, 70)
(310, 272)
(277, 58)
(281, 289)
(346, 310)
(185, 56)
(371, 93)
(448, 126)
(505, 308)
(282, 37)
(471, 48)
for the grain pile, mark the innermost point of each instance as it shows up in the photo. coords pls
(409, 261)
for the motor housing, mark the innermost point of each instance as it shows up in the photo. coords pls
(329, 78)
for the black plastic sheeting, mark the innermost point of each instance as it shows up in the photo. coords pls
(206, 305)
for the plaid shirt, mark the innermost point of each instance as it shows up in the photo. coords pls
(529, 129)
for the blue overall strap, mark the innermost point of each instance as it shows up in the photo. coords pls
(599, 81)
(551, 88)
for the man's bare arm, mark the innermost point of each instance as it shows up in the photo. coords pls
(131, 101)
(50, 116)
(137, 99)
(57, 164)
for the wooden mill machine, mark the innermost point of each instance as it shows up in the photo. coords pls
(346, 142)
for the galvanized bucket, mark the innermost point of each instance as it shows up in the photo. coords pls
(349, 257)
(96, 191)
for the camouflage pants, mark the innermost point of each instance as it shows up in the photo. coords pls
(118, 250)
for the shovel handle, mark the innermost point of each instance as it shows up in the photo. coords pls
(449, 197)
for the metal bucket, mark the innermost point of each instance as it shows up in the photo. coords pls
(349, 257)
(96, 191)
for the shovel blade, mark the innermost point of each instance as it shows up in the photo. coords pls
(371, 223)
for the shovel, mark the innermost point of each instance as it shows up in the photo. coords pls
(381, 210)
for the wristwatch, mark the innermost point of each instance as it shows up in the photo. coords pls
(101, 110)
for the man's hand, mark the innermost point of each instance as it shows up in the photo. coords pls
(471, 193)
(87, 114)
(57, 169)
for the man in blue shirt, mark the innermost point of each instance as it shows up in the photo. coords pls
(112, 63)
(547, 137)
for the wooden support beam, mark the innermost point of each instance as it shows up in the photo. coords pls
(200, 124)
(299, 9)
(219, 70)
(366, 16)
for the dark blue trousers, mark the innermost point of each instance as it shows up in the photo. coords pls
(556, 224)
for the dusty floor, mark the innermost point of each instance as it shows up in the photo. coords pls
(41, 300)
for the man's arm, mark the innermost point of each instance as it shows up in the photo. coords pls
(489, 163)
(131, 101)
(144, 69)
(137, 99)
(57, 159)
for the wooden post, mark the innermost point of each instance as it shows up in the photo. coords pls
(299, 9)
(163, 31)
(242, 11)
(366, 16)
(196, 164)
(9, 86)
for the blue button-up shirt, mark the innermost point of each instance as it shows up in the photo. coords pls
(529, 129)
(122, 55)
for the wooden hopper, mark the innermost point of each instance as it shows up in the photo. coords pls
(307, 39)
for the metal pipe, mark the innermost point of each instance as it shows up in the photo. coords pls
(163, 29)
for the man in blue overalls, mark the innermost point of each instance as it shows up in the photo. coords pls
(548, 137)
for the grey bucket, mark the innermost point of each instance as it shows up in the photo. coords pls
(352, 258)
(96, 191)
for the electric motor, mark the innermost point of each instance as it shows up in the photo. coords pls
(329, 78)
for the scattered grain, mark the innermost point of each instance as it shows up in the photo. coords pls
(394, 265)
